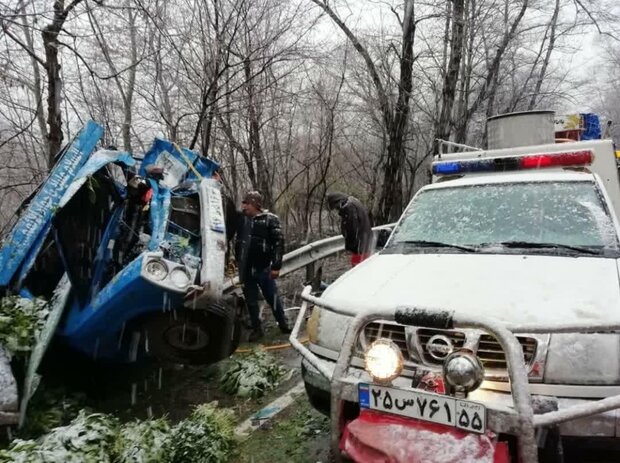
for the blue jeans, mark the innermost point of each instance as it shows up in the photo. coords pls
(267, 285)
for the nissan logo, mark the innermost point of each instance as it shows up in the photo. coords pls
(439, 347)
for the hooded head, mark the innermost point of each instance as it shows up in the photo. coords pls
(336, 200)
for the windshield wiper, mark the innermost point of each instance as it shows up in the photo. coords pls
(438, 244)
(530, 245)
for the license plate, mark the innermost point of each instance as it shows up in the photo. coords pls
(462, 414)
(216, 214)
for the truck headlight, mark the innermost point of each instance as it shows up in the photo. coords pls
(463, 371)
(157, 270)
(179, 278)
(383, 360)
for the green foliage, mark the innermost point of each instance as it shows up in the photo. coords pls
(206, 436)
(51, 408)
(252, 375)
(21, 321)
(142, 442)
(88, 439)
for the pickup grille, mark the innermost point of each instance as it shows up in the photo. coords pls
(492, 356)
(488, 349)
(391, 331)
(456, 337)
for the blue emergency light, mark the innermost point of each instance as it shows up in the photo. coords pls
(511, 163)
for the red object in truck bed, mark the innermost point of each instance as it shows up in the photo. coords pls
(376, 437)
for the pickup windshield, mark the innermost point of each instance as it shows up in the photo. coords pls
(552, 217)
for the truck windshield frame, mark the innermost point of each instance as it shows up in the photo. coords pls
(541, 217)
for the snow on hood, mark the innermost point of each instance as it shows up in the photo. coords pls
(512, 288)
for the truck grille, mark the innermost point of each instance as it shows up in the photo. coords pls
(488, 350)
(391, 331)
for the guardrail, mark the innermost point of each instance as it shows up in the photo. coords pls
(306, 256)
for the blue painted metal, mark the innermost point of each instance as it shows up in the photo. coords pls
(33, 222)
(97, 161)
(160, 209)
(95, 329)
(33, 252)
(164, 153)
(93, 324)
(104, 253)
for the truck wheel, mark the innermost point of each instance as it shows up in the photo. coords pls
(188, 336)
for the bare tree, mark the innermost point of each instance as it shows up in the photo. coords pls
(395, 116)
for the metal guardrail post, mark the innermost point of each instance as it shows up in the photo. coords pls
(310, 269)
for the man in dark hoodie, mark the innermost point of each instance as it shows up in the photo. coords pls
(354, 224)
(260, 247)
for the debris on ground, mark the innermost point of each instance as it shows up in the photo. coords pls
(252, 375)
(297, 435)
(206, 436)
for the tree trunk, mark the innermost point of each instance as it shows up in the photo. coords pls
(51, 45)
(391, 199)
(54, 92)
(128, 100)
(545, 65)
(451, 77)
(36, 75)
(256, 151)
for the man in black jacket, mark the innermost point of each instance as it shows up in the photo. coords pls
(354, 224)
(260, 247)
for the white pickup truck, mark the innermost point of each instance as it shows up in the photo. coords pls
(527, 236)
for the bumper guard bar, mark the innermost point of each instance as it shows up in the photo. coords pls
(520, 419)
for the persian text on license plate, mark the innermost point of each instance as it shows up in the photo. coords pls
(463, 414)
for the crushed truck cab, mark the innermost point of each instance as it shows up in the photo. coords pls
(116, 244)
(497, 295)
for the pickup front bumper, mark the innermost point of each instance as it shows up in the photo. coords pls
(606, 424)
(515, 414)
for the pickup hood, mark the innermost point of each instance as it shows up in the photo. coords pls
(512, 288)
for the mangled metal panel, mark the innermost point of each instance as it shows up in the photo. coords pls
(34, 223)
(213, 239)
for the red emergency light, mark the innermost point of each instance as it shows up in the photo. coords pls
(510, 163)
(575, 158)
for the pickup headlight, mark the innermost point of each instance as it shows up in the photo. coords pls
(582, 359)
(157, 270)
(383, 360)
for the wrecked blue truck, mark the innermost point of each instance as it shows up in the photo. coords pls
(117, 243)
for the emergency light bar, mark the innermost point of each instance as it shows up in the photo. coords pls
(501, 164)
